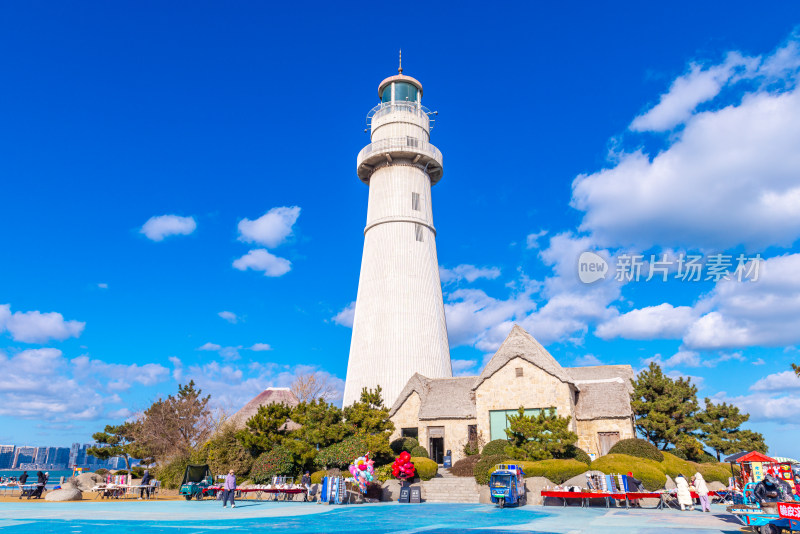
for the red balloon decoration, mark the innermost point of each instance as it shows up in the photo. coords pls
(403, 468)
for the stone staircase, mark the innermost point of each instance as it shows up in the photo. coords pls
(445, 487)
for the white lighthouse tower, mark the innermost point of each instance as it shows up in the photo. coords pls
(399, 327)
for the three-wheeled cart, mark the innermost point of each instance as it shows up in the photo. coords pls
(196, 479)
(507, 486)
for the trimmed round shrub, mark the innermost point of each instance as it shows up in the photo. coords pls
(582, 456)
(673, 466)
(485, 466)
(471, 448)
(403, 444)
(276, 462)
(495, 447)
(137, 471)
(715, 472)
(637, 447)
(425, 467)
(383, 473)
(556, 471)
(343, 453)
(121, 472)
(419, 451)
(465, 467)
(102, 472)
(648, 471)
(317, 476)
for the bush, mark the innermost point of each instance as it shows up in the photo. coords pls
(582, 456)
(120, 472)
(715, 472)
(137, 471)
(557, 471)
(171, 473)
(276, 462)
(419, 451)
(471, 448)
(485, 466)
(495, 447)
(465, 467)
(317, 476)
(672, 465)
(343, 453)
(646, 470)
(224, 452)
(102, 472)
(403, 444)
(637, 447)
(383, 473)
(426, 468)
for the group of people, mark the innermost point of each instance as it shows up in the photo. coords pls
(698, 484)
(229, 487)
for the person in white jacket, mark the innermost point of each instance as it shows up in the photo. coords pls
(684, 495)
(702, 491)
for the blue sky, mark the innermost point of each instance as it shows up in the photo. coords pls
(640, 129)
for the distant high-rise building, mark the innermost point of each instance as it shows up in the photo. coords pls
(60, 456)
(24, 455)
(41, 455)
(73, 454)
(7, 456)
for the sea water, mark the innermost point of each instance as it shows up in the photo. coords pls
(55, 475)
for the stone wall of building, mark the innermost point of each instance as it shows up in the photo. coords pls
(407, 416)
(534, 389)
(588, 430)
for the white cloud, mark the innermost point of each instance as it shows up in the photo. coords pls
(102, 285)
(346, 316)
(532, 241)
(470, 273)
(759, 361)
(158, 227)
(260, 347)
(785, 381)
(229, 316)
(751, 313)
(731, 158)
(653, 322)
(765, 407)
(37, 327)
(588, 360)
(463, 367)
(261, 260)
(177, 367)
(695, 87)
(271, 229)
(118, 376)
(228, 353)
(210, 346)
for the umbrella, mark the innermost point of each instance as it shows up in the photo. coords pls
(783, 459)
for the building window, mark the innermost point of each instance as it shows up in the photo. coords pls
(418, 232)
(518, 371)
(409, 433)
(498, 420)
(415, 201)
(472, 433)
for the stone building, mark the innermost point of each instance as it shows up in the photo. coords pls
(445, 413)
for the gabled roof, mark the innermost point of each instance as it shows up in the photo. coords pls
(520, 344)
(603, 400)
(602, 373)
(440, 398)
(268, 396)
(753, 456)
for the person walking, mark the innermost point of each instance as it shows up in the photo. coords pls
(684, 495)
(145, 484)
(702, 491)
(229, 489)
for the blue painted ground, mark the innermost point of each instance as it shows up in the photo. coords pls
(147, 517)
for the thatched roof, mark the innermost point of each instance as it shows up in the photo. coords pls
(268, 396)
(520, 344)
(440, 398)
(590, 374)
(603, 400)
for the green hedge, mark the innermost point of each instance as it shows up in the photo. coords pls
(343, 453)
(637, 447)
(648, 471)
(495, 447)
(485, 466)
(383, 473)
(672, 465)
(403, 444)
(582, 456)
(276, 462)
(419, 451)
(102, 472)
(715, 472)
(425, 467)
(317, 476)
(556, 471)
(465, 467)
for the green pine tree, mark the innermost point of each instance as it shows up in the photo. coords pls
(664, 408)
(720, 430)
(539, 437)
(115, 440)
(263, 430)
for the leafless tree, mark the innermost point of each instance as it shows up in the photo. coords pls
(314, 385)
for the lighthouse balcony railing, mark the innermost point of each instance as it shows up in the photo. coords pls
(400, 144)
(415, 108)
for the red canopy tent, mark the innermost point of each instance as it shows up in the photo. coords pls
(755, 456)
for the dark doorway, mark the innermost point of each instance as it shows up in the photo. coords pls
(437, 450)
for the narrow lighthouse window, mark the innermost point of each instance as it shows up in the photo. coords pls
(415, 201)
(418, 231)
